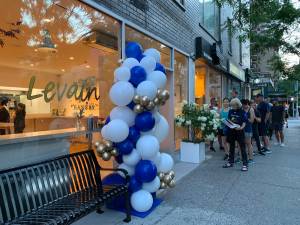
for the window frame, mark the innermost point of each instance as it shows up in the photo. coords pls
(230, 35)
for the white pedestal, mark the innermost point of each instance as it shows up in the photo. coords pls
(192, 152)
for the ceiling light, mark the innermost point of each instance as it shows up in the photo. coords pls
(87, 66)
(62, 70)
(35, 50)
(71, 58)
(31, 64)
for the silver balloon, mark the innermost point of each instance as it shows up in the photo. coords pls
(163, 185)
(156, 101)
(106, 156)
(167, 179)
(114, 152)
(108, 144)
(161, 175)
(150, 106)
(97, 143)
(165, 95)
(171, 174)
(136, 99)
(145, 100)
(138, 108)
(101, 149)
(172, 183)
(158, 92)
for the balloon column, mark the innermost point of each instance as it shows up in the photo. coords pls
(135, 127)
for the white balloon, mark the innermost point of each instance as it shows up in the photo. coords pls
(154, 53)
(141, 201)
(148, 63)
(121, 93)
(147, 88)
(152, 186)
(128, 168)
(122, 73)
(147, 146)
(156, 116)
(130, 62)
(166, 163)
(156, 159)
(161, 129)
(123, 113)
(159, 78)
(132, 159)
(116, 130)
(104, 133)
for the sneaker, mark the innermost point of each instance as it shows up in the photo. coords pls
(228, 165)
(282, 145)
(276, 143)
(212, 149)
(268, 151)
(251, 161)
(244, 169)
(226, 157)
(261, 153)
(238, 160)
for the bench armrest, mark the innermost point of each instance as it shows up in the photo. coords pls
(127, 177)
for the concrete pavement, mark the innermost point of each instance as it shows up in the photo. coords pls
(268, 194)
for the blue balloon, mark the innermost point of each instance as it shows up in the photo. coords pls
(125, 147)
(160, 67)
(134, 184)
(144, 121)
(133, 50)
(131, 105)
(145, 171)
(119, 158)
(134, 134)
(137, 75)
(140, 58)
(107, 120)
(113, 179)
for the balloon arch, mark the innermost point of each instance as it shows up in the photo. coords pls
(135, 128)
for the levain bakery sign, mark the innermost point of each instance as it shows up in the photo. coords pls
(81, 90)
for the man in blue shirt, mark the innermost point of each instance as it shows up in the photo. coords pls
(264, 109)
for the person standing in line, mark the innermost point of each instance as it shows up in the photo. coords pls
(249, 113)
(19, 120)
(214, 106)
(255, 133)
(286, 108)
(236, 115)
(223, 130)
(264, 110)
(277, 118)
(4, 113)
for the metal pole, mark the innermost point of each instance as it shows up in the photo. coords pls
(297, 100)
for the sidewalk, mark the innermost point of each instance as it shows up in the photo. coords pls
(268, 194)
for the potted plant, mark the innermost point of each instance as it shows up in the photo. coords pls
(202, 124)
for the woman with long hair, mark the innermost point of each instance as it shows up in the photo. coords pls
(19, 120)
(223, 130)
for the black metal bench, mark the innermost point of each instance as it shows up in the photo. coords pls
(58, 191)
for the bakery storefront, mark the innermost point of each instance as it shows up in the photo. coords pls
(57, 62)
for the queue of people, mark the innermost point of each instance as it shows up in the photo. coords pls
(246, 123)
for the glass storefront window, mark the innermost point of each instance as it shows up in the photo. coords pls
(200, 87)
(148, 42)
(214, 86)
(180, 90)
(60, 59)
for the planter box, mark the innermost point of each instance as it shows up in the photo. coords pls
(192, 152)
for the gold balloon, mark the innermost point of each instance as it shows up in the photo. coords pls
(172, 183)
(108, 144)
(171, 174)
(106, 156)
(156, 101)
(158, 92)
(163, 185)
(161, 175)
(167, 179)
(138, 109)
(145, 100)
(165, 95)
(101, 148)
(160, 95)
(150, 106)
(114, 152)
(97, 143)
(136, 99)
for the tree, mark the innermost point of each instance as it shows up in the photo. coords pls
(266, 23)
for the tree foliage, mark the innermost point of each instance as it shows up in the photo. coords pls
(267, 23)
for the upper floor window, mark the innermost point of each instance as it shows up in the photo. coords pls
(210, 18)
(241, 51)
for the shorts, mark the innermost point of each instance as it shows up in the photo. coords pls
(262, 129)
(222, 131)
(277, 126)
(248, 134)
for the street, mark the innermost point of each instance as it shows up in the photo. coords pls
(268, 194)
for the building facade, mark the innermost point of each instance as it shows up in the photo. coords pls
(58, 57)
